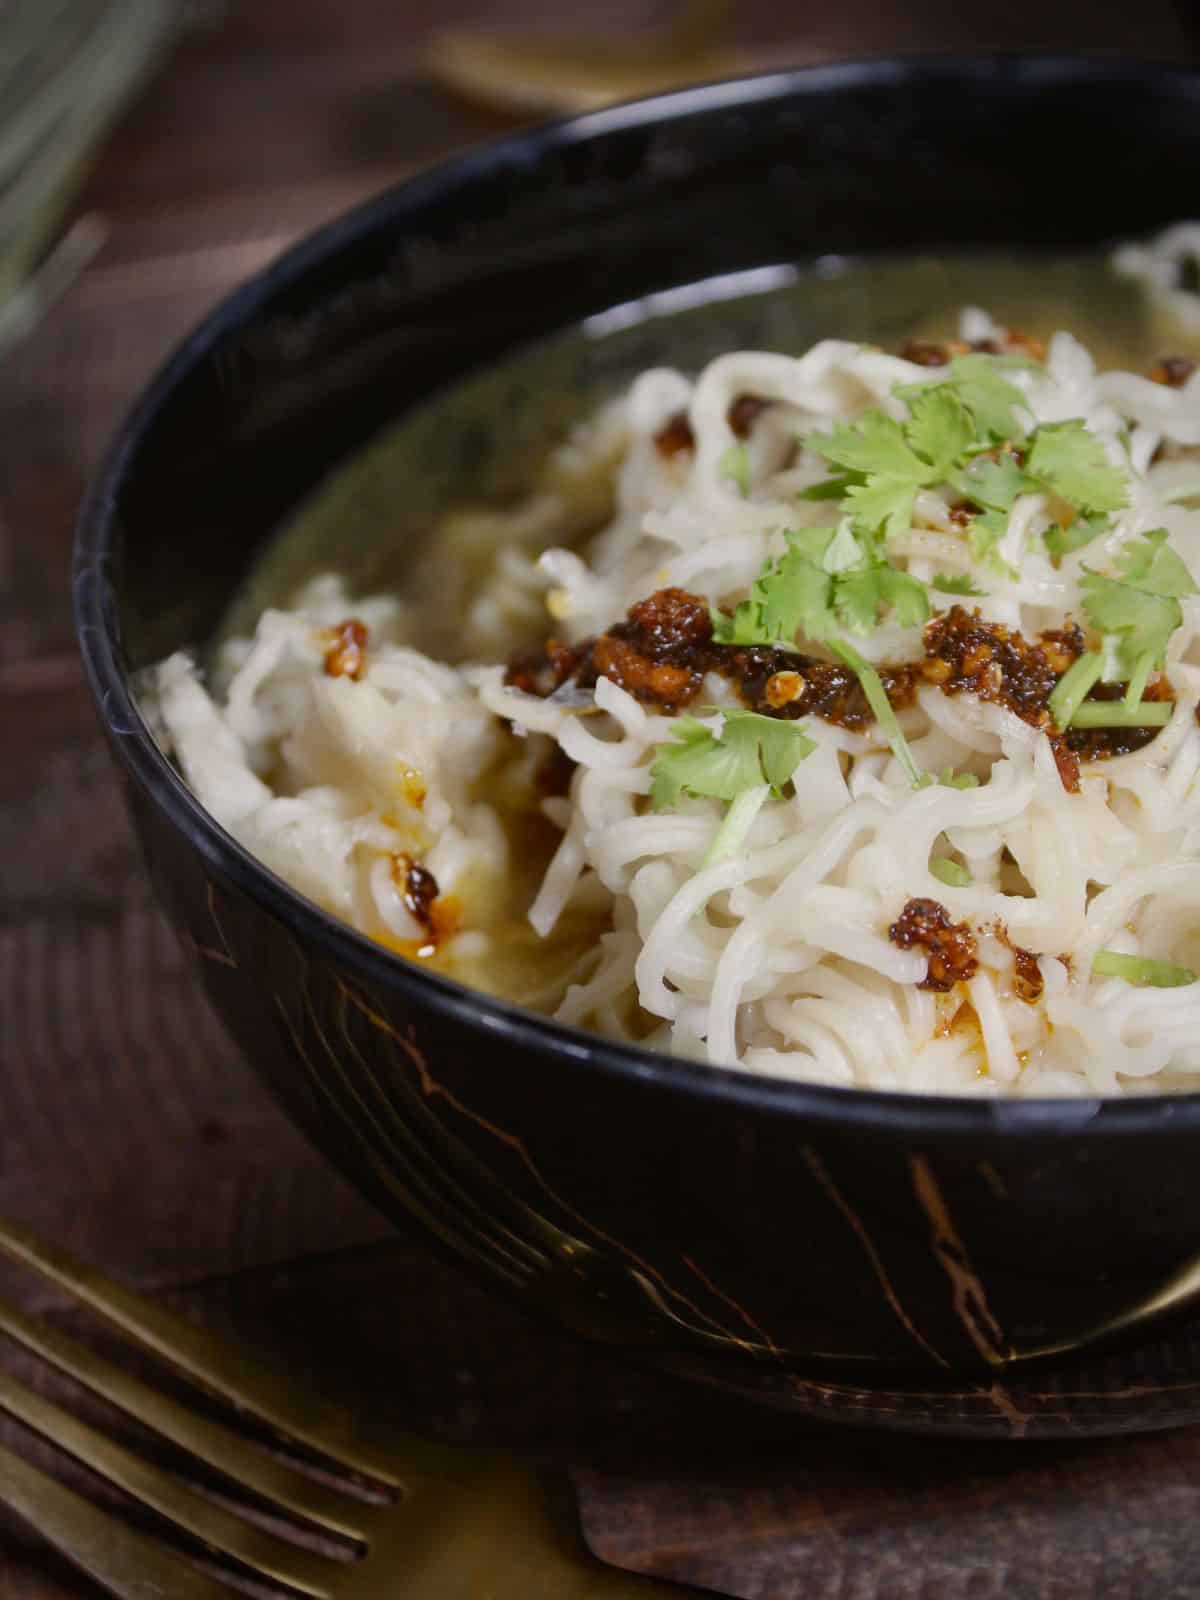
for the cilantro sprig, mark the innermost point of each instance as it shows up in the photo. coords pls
(1139, 611)
(828, 581)
(886, 462)
(749, 751)
(963, 432)
(1136, 614)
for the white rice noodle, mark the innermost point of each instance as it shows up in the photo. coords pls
(776, 959)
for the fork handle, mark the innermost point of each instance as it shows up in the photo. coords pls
(96, 1542)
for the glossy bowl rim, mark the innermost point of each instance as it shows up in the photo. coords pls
(882, 1112)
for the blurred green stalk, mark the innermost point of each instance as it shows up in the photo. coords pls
(67, 67)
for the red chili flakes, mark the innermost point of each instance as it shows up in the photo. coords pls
(745, 412)
(675, 436)
(926, 924)
(939, 352)
(665, 683)
(964, 654)
(1027, 978)
(663, 649)
(670, 619)
(1017, 343)
(1173, 371)
(542, 674)
(437, 914)
(346, 654)
(1067, 762)
(926, 352)
(828, 690)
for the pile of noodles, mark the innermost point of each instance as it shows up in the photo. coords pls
(776, 959)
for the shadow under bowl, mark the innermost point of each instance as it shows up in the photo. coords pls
(937, 1264)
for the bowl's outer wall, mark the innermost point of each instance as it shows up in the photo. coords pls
(851, 1259)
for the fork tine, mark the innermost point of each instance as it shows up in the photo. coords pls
(259, 1551)
(125, 1563)
(290, 1407)
(208, 1441)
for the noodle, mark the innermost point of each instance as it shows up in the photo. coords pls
(782, 948)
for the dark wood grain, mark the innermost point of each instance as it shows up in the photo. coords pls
(130, 1129)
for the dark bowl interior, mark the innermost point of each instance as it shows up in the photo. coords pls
(938, 1264)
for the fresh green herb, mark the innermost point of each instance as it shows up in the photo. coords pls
(992, 401)
(736, 824)
(883, 503)
(1068, 458)
(955, 583)
(843, 553)
(826, 580)
(886, 461)
(941, 429)
(749, 751)
(859, 596)
(994, 484)
(735, 465)
(1150, 563)
(1140, 970)
(1073, 687)
(950, 872)
(1061, 541)
(828, 488)
(948, 778)
(872, 686)
(1116, 714)
(950, 437)
(875, 444)
(1138, 612)
(984, 533)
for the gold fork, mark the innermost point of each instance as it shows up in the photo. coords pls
(445, 1523)
(547, 74)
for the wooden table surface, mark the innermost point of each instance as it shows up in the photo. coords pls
(131, 1130)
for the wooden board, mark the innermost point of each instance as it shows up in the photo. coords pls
(130, 1129)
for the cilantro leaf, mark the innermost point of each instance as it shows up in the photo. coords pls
(859, 595)
(794, 595)
(830, 488)
(875, 443)
(988, 396)
(843, 553)
(824, 581)
(994, 484)
(1061, 541)
(1068, 458)
(1151, 564)
(940, 429)
(750, 750)
(985, 533)
(883, 501)
(955, 583)
(1136, 623)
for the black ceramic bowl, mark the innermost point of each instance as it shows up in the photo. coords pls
(929, 1263)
